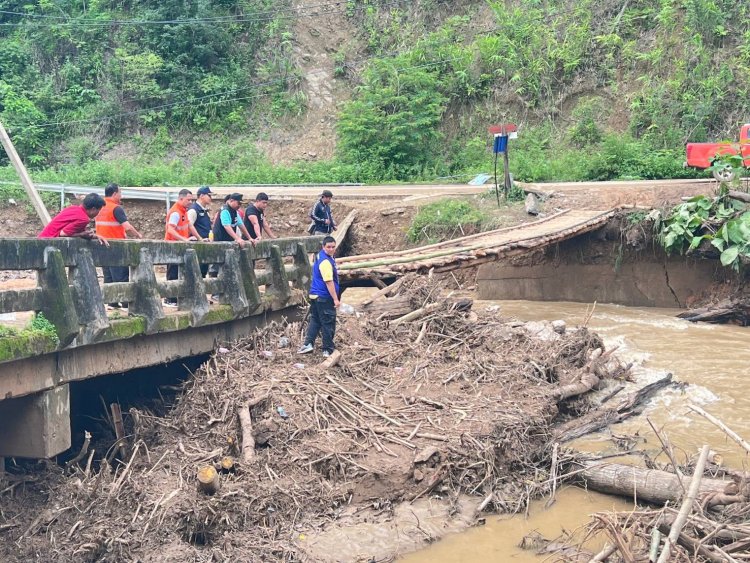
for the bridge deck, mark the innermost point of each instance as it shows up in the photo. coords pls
(475, 249)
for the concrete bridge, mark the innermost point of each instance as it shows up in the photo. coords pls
(36, 366)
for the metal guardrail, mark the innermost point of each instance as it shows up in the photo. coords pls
(157, 194)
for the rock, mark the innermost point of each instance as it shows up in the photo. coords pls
(541, 330)
(418, 475)
(532, 204)
(559, 326)
(425, 454)
(387, 212)
(12, 201)
(293, 223)
(283, 342)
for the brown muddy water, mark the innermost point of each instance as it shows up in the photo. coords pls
(715, 362)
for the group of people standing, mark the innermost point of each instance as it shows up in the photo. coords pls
(189, 219)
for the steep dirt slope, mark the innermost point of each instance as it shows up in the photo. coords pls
(318, 36)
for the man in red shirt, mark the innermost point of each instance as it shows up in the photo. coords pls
(74, 221)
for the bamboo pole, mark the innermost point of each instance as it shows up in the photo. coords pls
(28, 185)
(686, 508)
(416, 255)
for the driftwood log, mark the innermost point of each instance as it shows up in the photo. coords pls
(611, 412)
(390, 308)
(732, 310)
(248, 440)
(649, 485)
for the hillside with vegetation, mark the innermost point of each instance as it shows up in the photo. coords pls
(218, 91)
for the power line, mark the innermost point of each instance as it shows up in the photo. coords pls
(261, 17)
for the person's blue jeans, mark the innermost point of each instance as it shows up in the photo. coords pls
(322, 320)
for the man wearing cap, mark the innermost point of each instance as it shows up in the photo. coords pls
(321, 214)
(179, 229)
(324, 299)
(198, 215)
(198, 212)
(225, 227)
(255, 219)
(112, 223)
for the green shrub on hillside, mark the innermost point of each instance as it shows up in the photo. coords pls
(394, 120)
(444, 220)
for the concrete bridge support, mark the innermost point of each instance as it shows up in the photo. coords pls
(36, 426)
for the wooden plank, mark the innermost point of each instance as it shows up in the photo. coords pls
(23, 174)
(342, 229)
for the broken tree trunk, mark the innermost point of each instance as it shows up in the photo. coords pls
(208, 480)
(732, 310)
(332, 360)
(454, 305)
(384, 292)
(390, 308)
(119, 428)
(739, 196)
(611, 412)
(649, 485)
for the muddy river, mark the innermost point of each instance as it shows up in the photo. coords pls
(713, 360)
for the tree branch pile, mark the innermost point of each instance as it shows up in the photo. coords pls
(446, 403)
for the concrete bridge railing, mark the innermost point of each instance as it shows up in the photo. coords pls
(37, 368)
(70, 296)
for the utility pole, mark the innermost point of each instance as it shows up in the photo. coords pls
(28, 185)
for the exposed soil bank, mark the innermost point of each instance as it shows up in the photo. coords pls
(620, 263)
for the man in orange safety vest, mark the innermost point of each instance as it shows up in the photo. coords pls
(112, 223)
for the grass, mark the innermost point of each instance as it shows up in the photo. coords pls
(446, 219)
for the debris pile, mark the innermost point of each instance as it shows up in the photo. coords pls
(265, 447)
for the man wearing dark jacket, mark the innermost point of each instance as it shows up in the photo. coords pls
(321, 215)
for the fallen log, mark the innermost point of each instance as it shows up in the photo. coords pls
(611, 413)
(462, 305)
(732, 310)
(647, 485)
(248, 441)
(332, 360)
(389, 308)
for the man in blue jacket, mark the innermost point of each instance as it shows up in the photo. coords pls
(324, 299)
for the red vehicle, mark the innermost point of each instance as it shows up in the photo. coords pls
(702, 155)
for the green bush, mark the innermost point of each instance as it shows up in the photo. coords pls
(444, 220)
